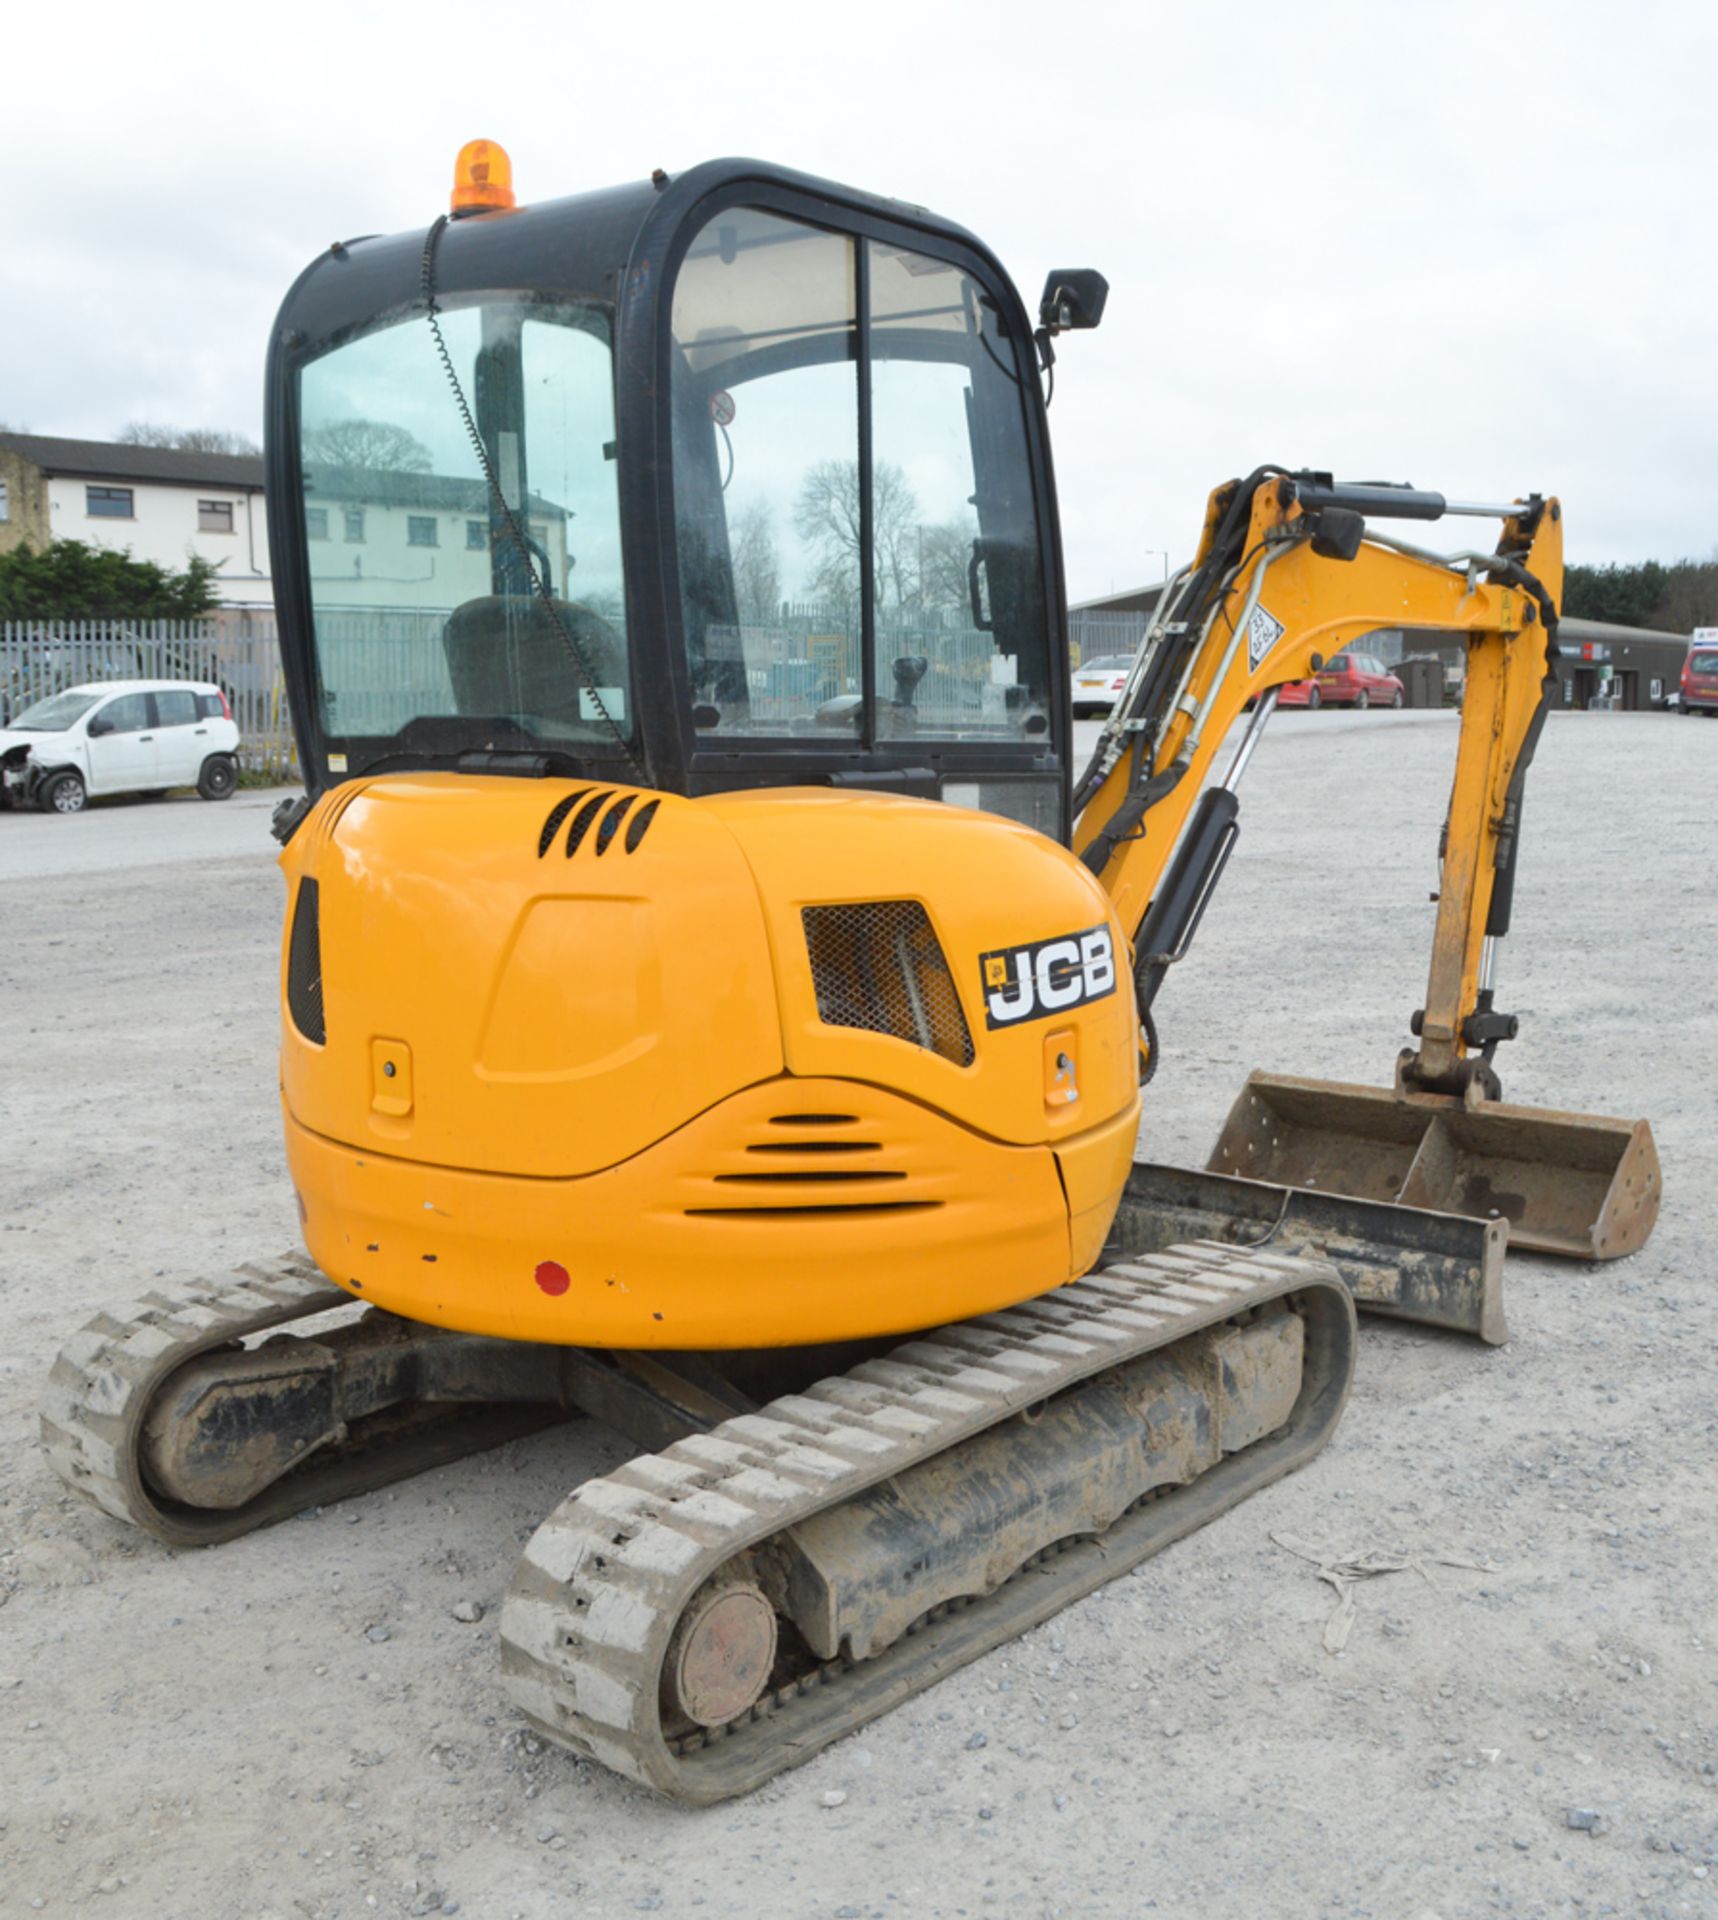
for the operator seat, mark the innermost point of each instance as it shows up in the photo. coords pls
(508, 654)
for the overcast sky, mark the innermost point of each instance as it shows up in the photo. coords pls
(1469, 246)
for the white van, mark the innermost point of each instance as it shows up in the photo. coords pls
(121, 736)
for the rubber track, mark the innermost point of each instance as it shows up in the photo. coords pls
(593, 1603)
(100, 1389)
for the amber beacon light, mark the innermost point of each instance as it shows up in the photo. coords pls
(482, 178)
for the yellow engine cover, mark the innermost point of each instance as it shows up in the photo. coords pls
(605, 1067)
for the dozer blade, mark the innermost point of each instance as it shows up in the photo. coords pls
(1567, 1183)
(1444, 1269)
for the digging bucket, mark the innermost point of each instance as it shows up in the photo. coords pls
(1566, 1183)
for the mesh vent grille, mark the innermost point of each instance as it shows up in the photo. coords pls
(880, 967)
(304, 965)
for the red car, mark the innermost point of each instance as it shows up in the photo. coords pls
(1356, 680)
(1700, 679)
(1299, 693)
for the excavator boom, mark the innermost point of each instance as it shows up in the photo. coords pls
(1289, 572)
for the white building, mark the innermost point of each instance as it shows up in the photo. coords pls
(378, 539)
(157, 503)
(399, 541)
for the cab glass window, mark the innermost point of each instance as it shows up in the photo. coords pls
(962, 632)
(836, 501)
(765, 397)
(511, 631)
(176, 707)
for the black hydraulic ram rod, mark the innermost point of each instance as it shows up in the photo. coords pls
(1383, 502)
(1179, 904)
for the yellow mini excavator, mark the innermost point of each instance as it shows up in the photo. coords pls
(700, 1008)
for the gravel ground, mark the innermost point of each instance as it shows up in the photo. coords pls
(299, 1724)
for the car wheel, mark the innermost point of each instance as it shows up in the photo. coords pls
(1396, 698)
(62, 793)
(1362, 700)
(218, 778)
(1314, 700)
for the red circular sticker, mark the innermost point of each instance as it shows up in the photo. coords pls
(722, 407)
(552, 1277)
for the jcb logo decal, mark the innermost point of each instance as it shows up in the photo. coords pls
(1030, 983)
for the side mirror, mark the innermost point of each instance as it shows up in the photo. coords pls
(1073, 298)
(98, 726)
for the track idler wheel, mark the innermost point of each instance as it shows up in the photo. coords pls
(720, 1658)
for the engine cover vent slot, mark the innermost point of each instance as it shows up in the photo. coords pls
(848, 1208)
(817, 1176)
(880, 967)
(336, 807)
(304, 965)
(817, 1146)
(583, 818)
(557, 813)
(611, 821)
(639, 825)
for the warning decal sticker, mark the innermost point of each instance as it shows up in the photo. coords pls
(1264, 630)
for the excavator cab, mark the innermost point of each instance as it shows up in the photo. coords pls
(658, 1041)
(735, 480)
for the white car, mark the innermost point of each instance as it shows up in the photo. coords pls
(1097, 683)
(121, 736)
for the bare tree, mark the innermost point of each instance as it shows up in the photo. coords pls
(757, 565)
(377, 444)
(945, 557)
(826, 517)
(151, 433)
